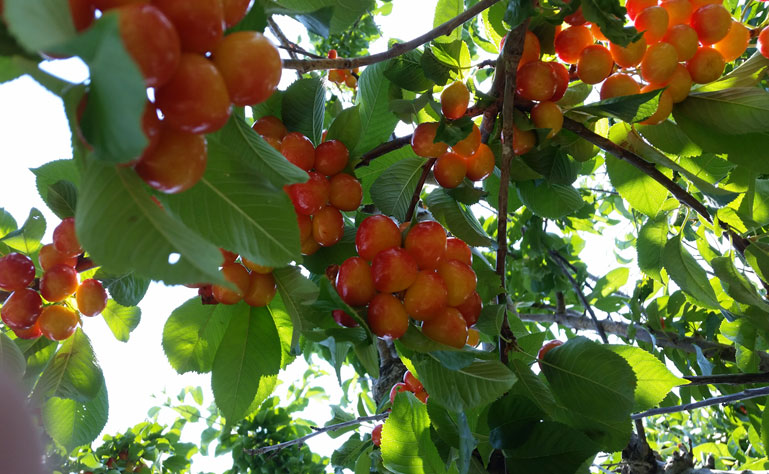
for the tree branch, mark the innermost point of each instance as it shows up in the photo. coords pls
(325, 429)
(732, 379)
(307, 65)
(744, 395)
(418, 191)
(383, 149)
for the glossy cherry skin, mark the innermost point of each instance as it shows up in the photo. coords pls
(426, 242)
(426, 297)
(227, 256)
(459, 278)
(412, 383)
(618, 85)
(468, 145)
(537, 80)
(394, 270)
(763, 42)
(21, 309)
(195, 99)
(17, 271)
(659, 63)
(454, 100)
(176, 164)
(327, 226)
(261, 289)
(200, 23)
(58, 283)
(562, 79)
(684, 40)
(310, 197)
(422, 396)
(653, 21)
(82, 12)
(734, 44)
(91, 297)
(711, 22)
(376, 435)
(630, 55)
(156, 54)
(270, 126)
(396, 389)
(299, 150)
(65, 239)
(345, 192)
(32, 332)
(523, 140)
(344, 319)
(236, 274)
(423, 141)
(547, 347)
(471, 308)
(254, 267)
(481, 163)
(234, 11)
(105, 5)
(331, 157)
(375, 234)
(355, 282)
(531, 49)
(250, 65)
(305, 226)
(570, 42)
(473, 337)
(309, 246)
(679, 85)
(548, 115)
(457, 249)
(387, 316)
(448, 327)
(595, 64)
(58, 322)
(450, 169)
(706, 65)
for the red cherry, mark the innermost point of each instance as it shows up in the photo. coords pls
(460, 280)
(17, 271)
(21, 309)
(546, 347)
(355, 282)
(345, 192)
(327, 226)
(426, 297)
(376, 435)
(200, 23)
(376, 233)
(65, 239)
(448, 327)
(32, 332)
(457, 249)
(236, 274)
(261, 289)
(310, 197)
(413, 384)
(234, 11)
(271, 127)
(176, 164)
(397, 388)
(58, 283)
(331, 157)
(387, 317)
(299, 150)
(238, 57)
(344, 319)
(471, 308)
(156, 54)
(394, 270)
(426, 242)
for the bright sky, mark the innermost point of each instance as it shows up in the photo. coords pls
(33, 131)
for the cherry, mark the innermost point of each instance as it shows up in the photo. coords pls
(457, 249)
(310, 197)
(256, 267)
(547, 347)
(630, 55)
(468, 145)
(659, 63)
(706, 65)
(570, 42)
(17, 271)
(450, 170)
(471, 308)
(261, 289)
(597, 33)
(355, 282)
(176, 164)
(412, 383)
(270, 127)
(331, 157)
(305, 227)
(376, 435)
(299, 150)
(58, 322)
(684, 40)
(459, 278)
(481, 163)
(65, 239)
(21, 309)
(332, 54)
(562, 79)
(548, 115)
(426, 296)
(537, 80)
(32, 332)
(618, 85)
(394, 270)
(763, 42)
(396, 389)
(345, 192)
(327, 226)
(229, 257)
(387, 316)
(448, 327)
(653, 21)
(375, 234)
(105, 5)
(634, 7)
(664, 107)
(82, 12)
(679, 84)
(200, 22)
(309, 246)
(531, 49)
(523, 141)
(454, 100)
(426, 242)
(156, 54)
(711, 22)
(58, 282)
(423, 141)
(576, 18)
(473, 337)
(236, 274)
(91, 297)
(337, 75)
(679, 11)
(344, 319)
(234, 11)
(238, 57)
(734, 43)
(350, 81)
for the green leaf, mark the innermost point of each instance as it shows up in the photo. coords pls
(122, 320)
(27, 239)
(405, 71)
(457, 219)
(454, 131)
(629, 108)
(392, 191)
(736, 285)
(7, 223)
(39, 25)
(346, 13)
(377, 122)
(757, 255)
(436, 70)
(124, 230)
(297, 294)
(650, 245)
(492, 184)
(249, 351)
(348, 454)
(62, 198)
(669, 138)
(334, 255)
(511, 420)
(255, 20)
(71, 423)
(733, 111)
(406, 444)
(654, 380)
(552, 163)
(368, 174)
(688, 274)
(447, 10)
(192, 335)
(304, 105)
(609, 283)
(552, 448)
(517, 11)
(12, 361)
(610, 18)
(747, 74)
(52, 172)
(73, 373)
(765, 425)
(126, 290)
(551, 201)
(636, 187)
(346, 127)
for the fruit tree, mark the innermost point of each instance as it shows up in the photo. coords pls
(428, 216)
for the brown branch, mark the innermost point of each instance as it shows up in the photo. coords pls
(296, 50)
(383, 149)
(418, 191)
(306, 65)
(325, 429)
(744, 395)
(731, 379)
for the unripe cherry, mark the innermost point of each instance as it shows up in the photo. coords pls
(679, 84)
(634, 7)
(653, 21)
(664, 107)
(734, 43)
(387, 316)
(618, 85)
(473, 337)
(630, 55)
(684, 40)
(679, 11)
(460, 280)
(706, 65)
(480, 164)
(659, 63)
(523, 141)
(355, 282)
(531, 49)
(91, 297)
(548, 115)
(537, 80)
(468, 145)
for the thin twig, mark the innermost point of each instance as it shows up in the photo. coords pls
(325, 429)
(296, 50)
(305, 65)
(732, 379)
(744, 395)
(560, 261)
(418, 191)
(383, 149)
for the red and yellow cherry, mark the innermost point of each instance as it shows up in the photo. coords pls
(156, 54)
(105, 5)
(679, 11)
(630, 55)
(65, 239)
(261, 289)
(618, 85)
(711, 22)
(234, 11)
(763, 42)
(454, 100)
(238, 56)
(270, 126)
(195, 99)
(396, 389)
(299, 150)
(327, 226)
(387, 316)
(659, 63)
(473, 337)
(309, 246)
(459, 278)
(331, 157)
(523, 141)
(447, 327)
(562, 79)
(310, 197)
(375, 234)
(471, 308)
(394, 270)
(570, 42)
(355, 282)
(337, 75)
(548, 115)
(734, 43)
(412, 383)
(376, 435)
(21, 309)
(457, 249)
(679, 84)
(236, 274)
(91, 297)
(423, 141)
(200, 22)
(58, 322)
(426, 296)
(664, 107)
(480, 164)
(547, 347)
(227, 256)
(634, 7)
(706, 65)
(345, 192)
(468, 145)
(450, 169)
(254, 267)
(17, 271)
(58, 282)
(576, 18)
(684, 40)
(531, 49)
(537, 80)
(344, 319)
(598, 35)
(653, 21)
(350, 81)
(305, 227)
(176, 164)
(426, 242)
(422, 396)
(82, 12)
(32, 332)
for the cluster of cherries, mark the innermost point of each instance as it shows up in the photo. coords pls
(318, 201)
(197, 73)
(427, 277)
(342, 76)
(410, 384)
(252, 283)
(468, 158)
(46, 311)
